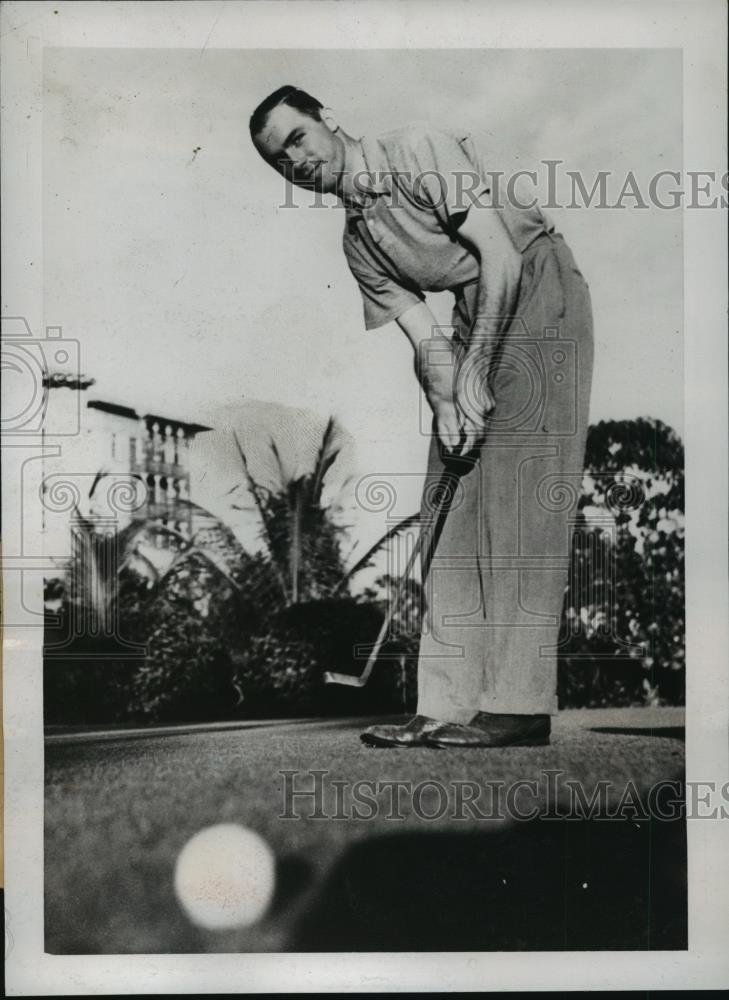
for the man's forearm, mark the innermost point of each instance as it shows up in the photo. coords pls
(435, 367)
(499, 276)
(435, 370)
(498, 291)
(434, 358)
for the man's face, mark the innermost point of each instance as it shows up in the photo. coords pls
(305, 151)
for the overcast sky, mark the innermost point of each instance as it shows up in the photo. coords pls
(189, 289)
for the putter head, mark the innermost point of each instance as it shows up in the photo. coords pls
(349, 680)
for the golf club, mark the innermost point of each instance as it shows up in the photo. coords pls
(442, 497)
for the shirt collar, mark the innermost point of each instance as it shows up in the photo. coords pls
(371, 161)
(376, 165)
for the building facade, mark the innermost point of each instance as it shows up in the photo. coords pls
(118, 466)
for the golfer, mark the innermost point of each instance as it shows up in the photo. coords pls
(509, 389)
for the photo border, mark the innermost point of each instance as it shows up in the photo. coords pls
(698, 27)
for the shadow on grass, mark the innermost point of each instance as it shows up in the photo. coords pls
(543, 885)
(666, 732)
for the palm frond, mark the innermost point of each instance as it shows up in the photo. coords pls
(92, 571)
(407, 522)
(97, 479)
(284, 476)
(136, 556)
(326, 457)
(295, 542)
(254, 489)
(195, 550)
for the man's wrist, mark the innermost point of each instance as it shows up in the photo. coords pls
(439, 391)
(436, 374)
(483, 341)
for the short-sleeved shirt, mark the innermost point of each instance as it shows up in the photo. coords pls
(403, 242)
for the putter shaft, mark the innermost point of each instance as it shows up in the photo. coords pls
(352, 680)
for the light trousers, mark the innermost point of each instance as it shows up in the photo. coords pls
(497, 568)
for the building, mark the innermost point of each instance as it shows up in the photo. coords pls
(109, 464)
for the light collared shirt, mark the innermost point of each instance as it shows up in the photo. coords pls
(402, 241)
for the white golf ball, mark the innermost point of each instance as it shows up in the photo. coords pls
(225, 877)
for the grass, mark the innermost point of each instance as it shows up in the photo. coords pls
(119, 812)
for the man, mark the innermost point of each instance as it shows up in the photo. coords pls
(509, 393)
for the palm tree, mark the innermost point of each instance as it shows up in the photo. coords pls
(100, 559)
(219, 627)
(301, 537)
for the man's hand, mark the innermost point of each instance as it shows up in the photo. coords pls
(435, 367)
(455, 379)
(439, 383)
(474, 396)
(448, 427)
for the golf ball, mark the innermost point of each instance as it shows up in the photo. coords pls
(225, 877)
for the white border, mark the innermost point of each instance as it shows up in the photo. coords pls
(696, 26)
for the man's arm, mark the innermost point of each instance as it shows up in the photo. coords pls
(435, 368)
(500, 265)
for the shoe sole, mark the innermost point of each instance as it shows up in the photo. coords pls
(374, 742)
(445, 745)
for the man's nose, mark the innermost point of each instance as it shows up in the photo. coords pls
(301, 165)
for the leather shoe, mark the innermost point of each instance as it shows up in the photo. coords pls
(411, 735)
(490, 730)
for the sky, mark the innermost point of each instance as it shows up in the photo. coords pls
(190, 291)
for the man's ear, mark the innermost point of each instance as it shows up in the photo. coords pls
(329, 119)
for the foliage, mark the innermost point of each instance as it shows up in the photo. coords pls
(213, 631)
(622, 638)
(224, 632)
(118, 610)
(302, 540)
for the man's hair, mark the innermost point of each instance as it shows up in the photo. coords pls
(292, 96)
